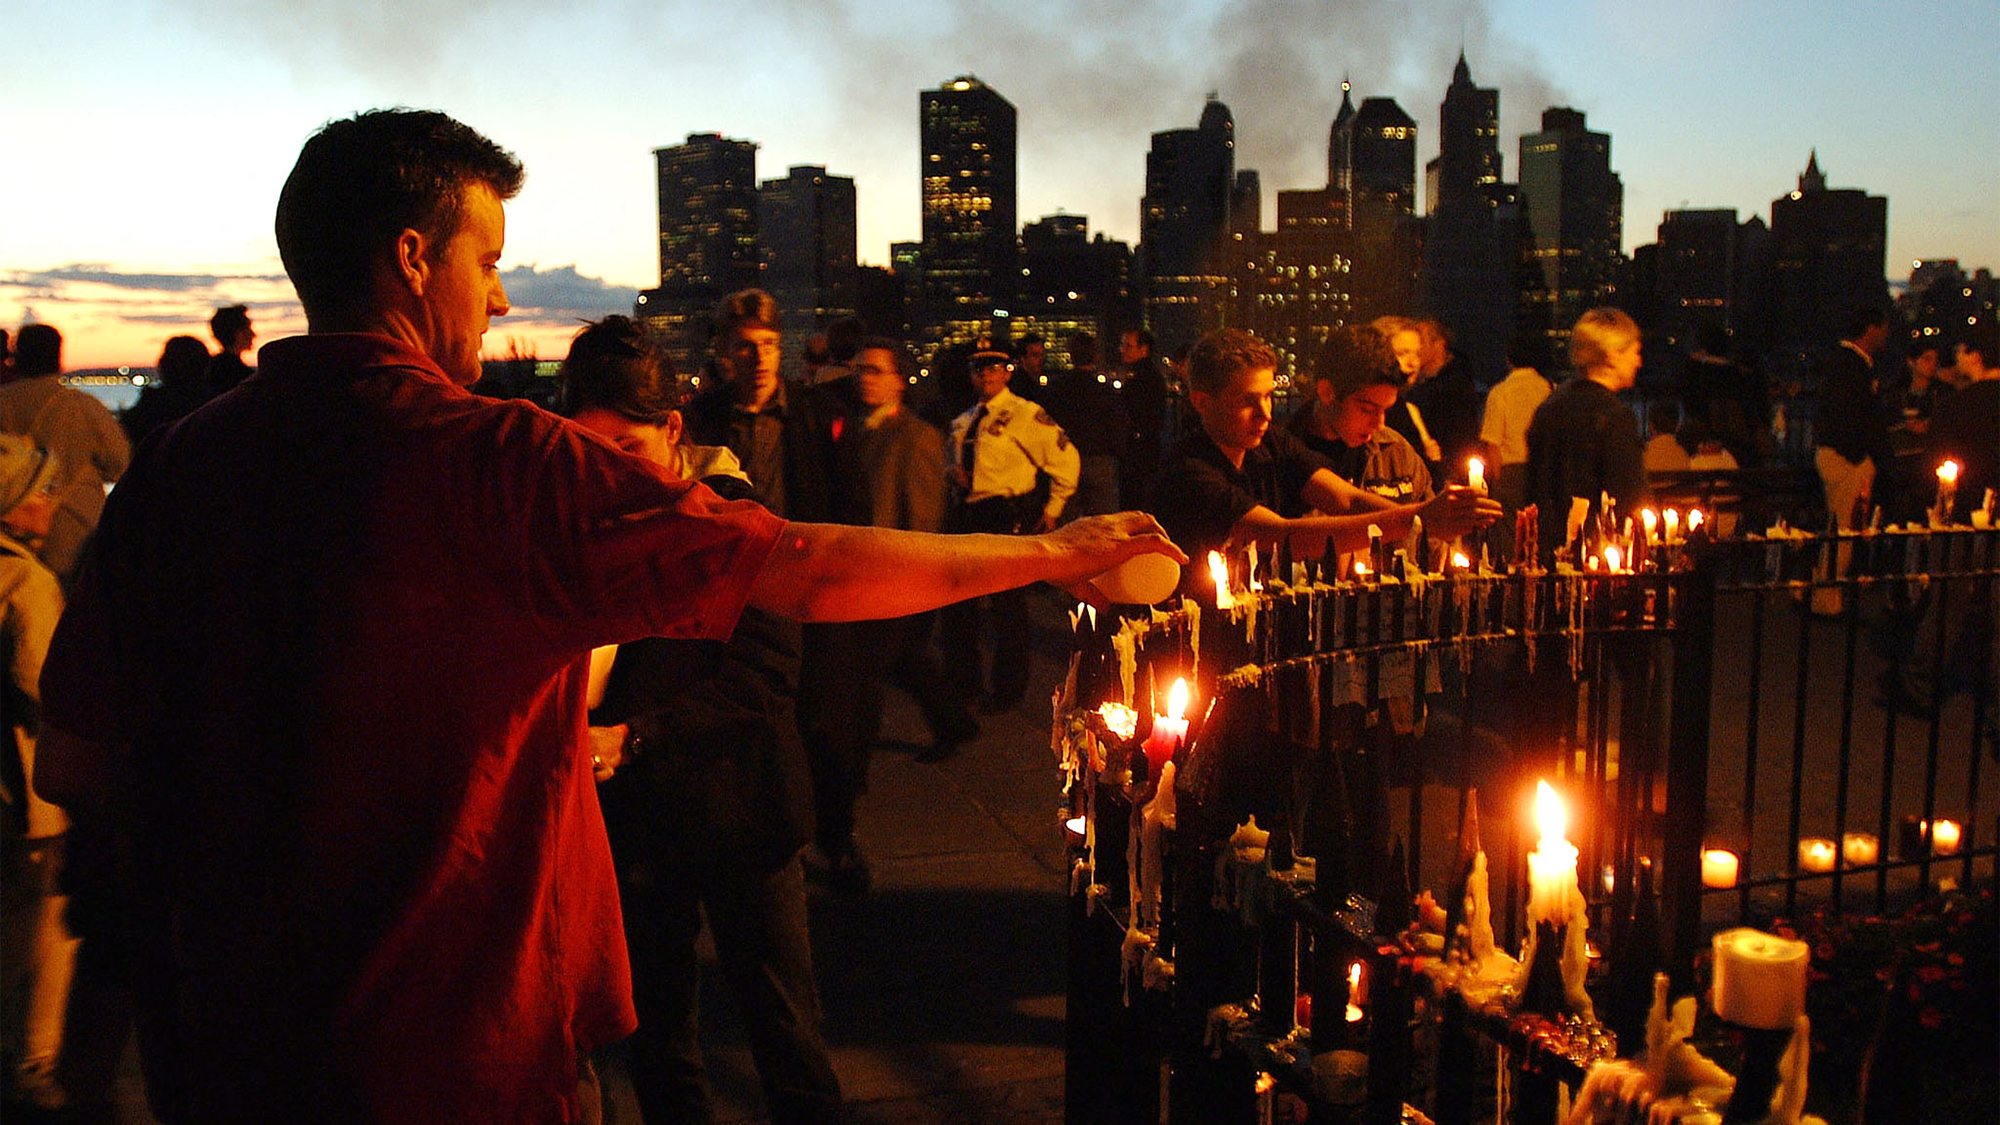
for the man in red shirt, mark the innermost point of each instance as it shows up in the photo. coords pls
(320, 694)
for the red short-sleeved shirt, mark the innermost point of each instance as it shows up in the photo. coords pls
(338, 616)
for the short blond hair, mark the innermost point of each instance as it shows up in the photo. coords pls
(1219, 355)
(1596, 333)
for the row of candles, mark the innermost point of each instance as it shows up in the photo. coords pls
(1818, 855)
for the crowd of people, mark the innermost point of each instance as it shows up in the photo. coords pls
(395, 740)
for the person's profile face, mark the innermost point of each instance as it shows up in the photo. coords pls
(1409, 348)
(1622, 359)
(1237, 416)
(1130, 350)
(750, 354)
(1360, 415)
(877, 379)
(462, 290)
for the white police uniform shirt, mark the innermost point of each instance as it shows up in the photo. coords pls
(1016, 440)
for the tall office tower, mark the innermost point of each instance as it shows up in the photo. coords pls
(806, 224)
(1696, 272)
(1184, 222)
(1468, 161)
(1472, 241)
(970, 258)
(1829, 254)
(1246, 203)
(1383, 173)
(1575, 214)
(1071, 282)
(708, 238)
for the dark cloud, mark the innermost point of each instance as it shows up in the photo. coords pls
(97, 274)
(562, 293)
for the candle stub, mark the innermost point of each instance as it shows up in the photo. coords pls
(1816, 854)
(1760, 979)
(1718, 869)
(1140, 580)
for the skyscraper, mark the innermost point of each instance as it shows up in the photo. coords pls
(708, 237)
(1472, 240)
(1829, 251)
(1383, 170)
(1575, 213)
(968, 176)
(806, 223)
(1184, 223)
(1468, 159)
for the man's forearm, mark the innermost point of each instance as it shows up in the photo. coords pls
(831, 572)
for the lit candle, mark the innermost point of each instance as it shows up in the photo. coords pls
(1859, 849)
(1361, 570)
(1944, 837)
(1947, 492)
(1170, 729)
(1354, 993)
(1459, 561)
(1612, 557)
(1816, 854)
(1219, 571)
(1652, 523)
(1555, 897)
(1718, 869)
(1694, 519)
(1672, 519)
(1760, 979)
(1155, 819)
(1475, 475)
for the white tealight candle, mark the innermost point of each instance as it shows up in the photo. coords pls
(1944, 837)
(1859, 849)
(1816, 854)
(1760, 979)
(1718, 869)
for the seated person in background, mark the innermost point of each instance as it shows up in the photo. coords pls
(1236, 481)
(1355, 384)
(705, 789)
(1664, 452)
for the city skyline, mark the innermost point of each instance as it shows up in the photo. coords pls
(1899, 112)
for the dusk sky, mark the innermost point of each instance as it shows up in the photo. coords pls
(147, 139)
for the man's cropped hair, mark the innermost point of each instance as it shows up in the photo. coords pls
(1219, 355)
(745, 308)
(227, 322)
(360, 182)
(1863, 317)
(37, 351)
(1354, 359)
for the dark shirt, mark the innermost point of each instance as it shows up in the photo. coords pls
(1091, 413)
(786, 448)
(1969, 433)
(1451, 406)
(1849, 419)
(1202, 495)
(225, 370)
(1583, 442)
(159, 406)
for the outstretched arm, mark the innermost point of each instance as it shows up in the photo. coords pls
(830, 572)
(1455, 511)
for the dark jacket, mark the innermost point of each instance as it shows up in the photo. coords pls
(809, 413)
(1849, 418)
(719, 775)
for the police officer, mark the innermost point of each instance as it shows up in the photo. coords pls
(1012, 469)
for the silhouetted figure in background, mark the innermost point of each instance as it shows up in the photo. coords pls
(1145, 393)
(1449, 400)
(1092, 413)
(1503, 435)
(231, 328)
(179, 386)
(77, 428)
(1850, 435)
(705, 790)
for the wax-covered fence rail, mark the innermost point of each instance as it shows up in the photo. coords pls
(1683, 708)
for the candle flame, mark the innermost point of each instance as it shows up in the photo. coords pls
(1694, 518)
(1459, 560)
(1475, 471)
(1948, 472)
(1354, 975)
(1076, 825)
(1647, 517)
(1177, 700)
(1360, 569)
(1550, 815)
(1120, 720)
(1219, 570)
(1612, 557)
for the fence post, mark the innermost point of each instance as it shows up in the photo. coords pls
(1687, 767)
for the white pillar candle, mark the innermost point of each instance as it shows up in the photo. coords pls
(1944, 837)
(1859, 849)
(1155, 819)
(1760, 979)
(1816, 854)
(1718, 869)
